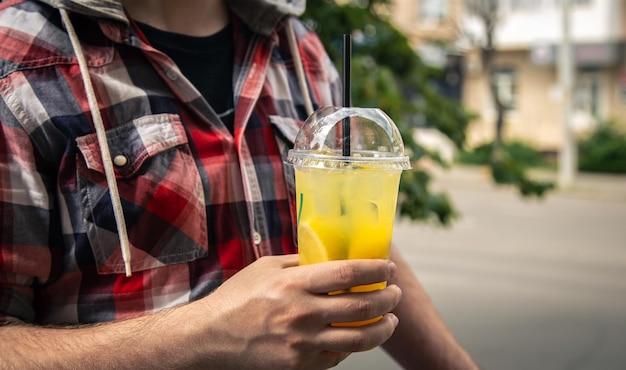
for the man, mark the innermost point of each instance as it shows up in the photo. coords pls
(146, 211)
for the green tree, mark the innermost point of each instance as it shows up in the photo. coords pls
(388, 74)
(505, 167)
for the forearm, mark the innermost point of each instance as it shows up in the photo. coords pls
(273, 314)
(138, 343)
(422, 339)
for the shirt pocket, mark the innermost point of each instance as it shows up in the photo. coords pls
(286, 129)
(161, 194)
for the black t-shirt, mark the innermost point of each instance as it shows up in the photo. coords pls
(206, 61)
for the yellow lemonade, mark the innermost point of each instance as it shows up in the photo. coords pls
(346, 213)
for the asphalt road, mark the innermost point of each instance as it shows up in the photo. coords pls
(525, 284)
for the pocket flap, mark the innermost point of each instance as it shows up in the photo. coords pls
(134, 142)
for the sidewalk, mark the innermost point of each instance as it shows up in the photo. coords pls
(605, 187)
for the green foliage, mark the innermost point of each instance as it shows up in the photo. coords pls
(603, 151)
(505, 169)
(525, 154)
(479, 155)
(388, 74)
(418, 203)
(508, 164)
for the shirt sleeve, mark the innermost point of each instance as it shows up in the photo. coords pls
(25, 205)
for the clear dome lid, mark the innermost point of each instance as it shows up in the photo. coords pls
(374, 140)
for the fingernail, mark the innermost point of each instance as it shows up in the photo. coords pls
(392, 268)
(397, 288)
(395, 320)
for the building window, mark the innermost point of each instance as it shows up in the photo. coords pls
(433, 11)
(505, 81)
(587, 94)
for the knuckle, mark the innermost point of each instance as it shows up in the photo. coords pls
(283, 283)
(292, 362)
(347, 273)
(294, 352)
(366, 308)
(294, 315)
(298, 343)
(359, 342)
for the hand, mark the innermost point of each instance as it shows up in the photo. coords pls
(274, 314)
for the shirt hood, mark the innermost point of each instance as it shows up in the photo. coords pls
(262, 15)
(259, 15)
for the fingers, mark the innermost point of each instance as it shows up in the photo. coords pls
(358, 339)
(359, 306)
(320, 279)
(338, 275)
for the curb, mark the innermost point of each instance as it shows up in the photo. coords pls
(605, 187)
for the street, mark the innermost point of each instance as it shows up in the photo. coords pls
(525, 283)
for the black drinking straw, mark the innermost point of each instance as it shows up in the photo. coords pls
(347, 53)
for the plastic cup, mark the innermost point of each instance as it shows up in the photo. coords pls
(346, 205)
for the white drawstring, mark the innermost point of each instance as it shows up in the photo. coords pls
(109, 172)
(101, 134)
(297, 61)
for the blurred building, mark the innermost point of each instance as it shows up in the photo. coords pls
(434, 28)
(527, 38)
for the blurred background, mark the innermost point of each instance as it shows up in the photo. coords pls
(524, 284)
(514, 216)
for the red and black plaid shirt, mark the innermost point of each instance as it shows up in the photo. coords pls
(199, 203)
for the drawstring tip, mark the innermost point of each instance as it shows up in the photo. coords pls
(127, 268)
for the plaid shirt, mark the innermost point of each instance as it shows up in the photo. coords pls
(199, 204)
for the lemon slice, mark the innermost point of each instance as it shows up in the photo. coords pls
(322, 240)
(310, 246)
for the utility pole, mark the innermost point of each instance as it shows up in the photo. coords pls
(568, 156)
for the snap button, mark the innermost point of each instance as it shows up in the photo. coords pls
(256, 237)
(120, 160)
